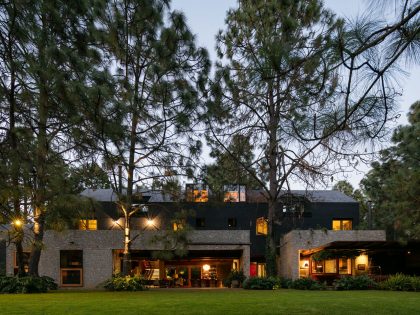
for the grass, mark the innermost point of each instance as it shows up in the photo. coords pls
(225, 302)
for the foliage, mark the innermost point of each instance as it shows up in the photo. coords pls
(362, 282)
(306, 284)
(173, 242)
(260, 283)
(332, 254)
(145, 130)
(27, 284)
(125, 283)
(237, 275)
(273, 69)
(226, 170)
(393, 184)
(401, 282)
(346, 188)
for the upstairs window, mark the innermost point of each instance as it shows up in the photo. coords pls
(232, 223)
(342, 224)
(234, 193)
(262, 226)
(197, 193)
(88, 224)
(200, 222)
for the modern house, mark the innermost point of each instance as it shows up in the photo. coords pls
(315, 233)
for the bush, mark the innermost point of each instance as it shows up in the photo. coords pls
(27, 284)
(401, 282)
(258, 283)
(362, 282)
(125, 283)
(306, 284)
(285, 283)
(237, 275)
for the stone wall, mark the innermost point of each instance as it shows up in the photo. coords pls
(98, 245)
(297, 240)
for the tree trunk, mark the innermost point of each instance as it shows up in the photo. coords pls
(126, 261)
(38, 230)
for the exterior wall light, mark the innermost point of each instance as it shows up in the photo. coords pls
(206, 267)
(17, 223)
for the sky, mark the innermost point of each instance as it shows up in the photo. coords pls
(206, 18)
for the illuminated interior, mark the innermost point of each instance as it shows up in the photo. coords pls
(197, 193)
(88, 224)
(342, 224)
(234, 193)
(262, 226)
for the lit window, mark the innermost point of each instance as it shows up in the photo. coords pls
(330, 266)
(232, 223)
(317, 266)
(71, 268)
(342, 224)
(261, 270)
(262, 226)
(344, 266)
(88, 225)
(178, 225)
(234, 193)
(25, 262)
(197, 193)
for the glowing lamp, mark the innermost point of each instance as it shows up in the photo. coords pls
(206, 267)
(17, 222)
(149, 222)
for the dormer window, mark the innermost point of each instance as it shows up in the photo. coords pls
(234, 193)
(197, 193)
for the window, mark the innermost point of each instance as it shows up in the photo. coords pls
(330, 266)
(317, 266)
(71, 268)
(262, 226)
(197, 193)
(200, 222)
(344, 266)
(232, 222)
(178, 225)
(88, 224)
(25, 262)
(342, 224)
(234, 193)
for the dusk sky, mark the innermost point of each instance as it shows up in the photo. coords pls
(206, 17)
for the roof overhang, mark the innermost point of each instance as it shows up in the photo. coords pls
(363, 245)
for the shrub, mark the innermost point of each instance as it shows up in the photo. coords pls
(285, 283)
(259, 283)
(362, 282)
(27, 284)
(125, 283)
(234, 275)
(306, 284)
(401, 282)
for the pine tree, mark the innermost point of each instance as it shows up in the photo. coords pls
(160, 76)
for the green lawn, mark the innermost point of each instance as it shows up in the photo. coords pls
(224, 302)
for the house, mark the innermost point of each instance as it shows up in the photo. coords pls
(227, 234)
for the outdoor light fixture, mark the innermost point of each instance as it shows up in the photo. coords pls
(150, 222)
(206, 267)
(17, 223)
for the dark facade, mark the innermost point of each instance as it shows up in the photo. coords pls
(298, 210)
